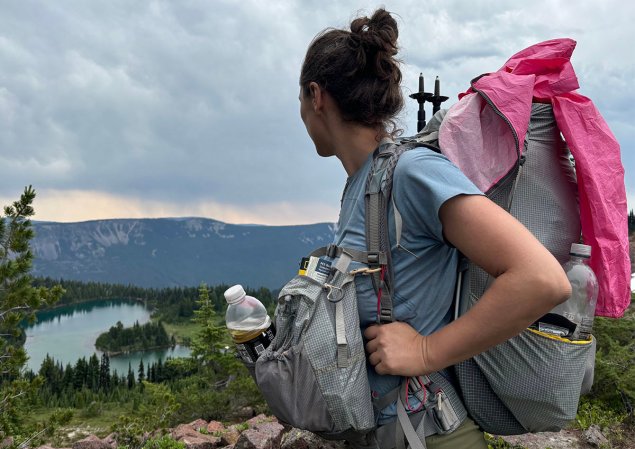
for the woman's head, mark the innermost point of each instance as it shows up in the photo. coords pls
(359, 70)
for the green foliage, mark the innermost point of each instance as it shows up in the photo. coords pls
(197, 402)
(18, 301)
(129, 432)
(154, 413)
(631, 221)
(59, 417)
(164, 442)
(590, 413)
(93, 410)
(208, 343)
(136, 338)
(241, 427)
(614, 383)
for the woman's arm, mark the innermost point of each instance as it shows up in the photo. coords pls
(528, 283)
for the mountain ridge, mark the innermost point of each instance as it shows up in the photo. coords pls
(174, 251)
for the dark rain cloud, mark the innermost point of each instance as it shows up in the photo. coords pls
(180, 102)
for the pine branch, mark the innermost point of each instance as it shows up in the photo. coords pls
(12, 310)
(25, 443)
(9, 397)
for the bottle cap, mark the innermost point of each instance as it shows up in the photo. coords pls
(234, 294)
(577, 249)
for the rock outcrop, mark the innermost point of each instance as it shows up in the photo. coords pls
(565, 439)
(265, 432)
(259, 432)
(92, 442)
(191, 435)
(261, 436)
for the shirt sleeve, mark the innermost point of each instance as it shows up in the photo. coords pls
(422, 182)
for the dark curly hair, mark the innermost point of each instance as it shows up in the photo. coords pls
(359, 70)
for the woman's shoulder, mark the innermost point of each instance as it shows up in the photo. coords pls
(423, 176)
(423, 163)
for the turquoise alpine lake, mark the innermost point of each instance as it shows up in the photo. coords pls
(68, 333)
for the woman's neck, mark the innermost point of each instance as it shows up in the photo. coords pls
(353, 144)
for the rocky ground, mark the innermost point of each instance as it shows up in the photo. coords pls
(565, 439)
(264, 432)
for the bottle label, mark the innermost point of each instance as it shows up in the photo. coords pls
(318, 268)
(553, 329)
(555, 324)
(249, 351)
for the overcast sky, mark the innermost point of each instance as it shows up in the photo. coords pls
(114, 109)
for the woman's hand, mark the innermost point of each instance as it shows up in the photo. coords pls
(398, 349)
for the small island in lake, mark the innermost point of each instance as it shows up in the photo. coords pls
(120, 340)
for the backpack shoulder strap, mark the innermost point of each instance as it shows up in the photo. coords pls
(378, 195)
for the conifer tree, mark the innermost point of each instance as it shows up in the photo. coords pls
(18, 301)
(207, 343)
(131, 381)
(93, 372)
(142, 375)
(104, 372)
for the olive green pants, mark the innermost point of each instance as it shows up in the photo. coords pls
(466, 436)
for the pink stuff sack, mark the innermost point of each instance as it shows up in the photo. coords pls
(543, 73)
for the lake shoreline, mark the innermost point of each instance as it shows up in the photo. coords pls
(69, 333)
(84, 301)
(132, 351)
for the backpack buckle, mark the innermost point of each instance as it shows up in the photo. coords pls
(373, 259)
(331, 251)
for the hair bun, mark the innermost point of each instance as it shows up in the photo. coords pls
(374, 41)
(379, 32)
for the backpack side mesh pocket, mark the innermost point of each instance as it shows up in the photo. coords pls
(303, 375)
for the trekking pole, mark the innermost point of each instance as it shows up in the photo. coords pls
(437, 99)
(421, 98)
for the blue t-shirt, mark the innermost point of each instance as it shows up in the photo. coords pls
(424, 264)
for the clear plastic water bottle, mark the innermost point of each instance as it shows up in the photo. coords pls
(580, 307)
(248, 323)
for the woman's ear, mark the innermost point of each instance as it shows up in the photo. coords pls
(317, 96)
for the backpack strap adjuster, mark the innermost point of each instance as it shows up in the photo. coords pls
(385, 315)
(373, 259)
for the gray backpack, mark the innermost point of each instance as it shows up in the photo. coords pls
(532, 382)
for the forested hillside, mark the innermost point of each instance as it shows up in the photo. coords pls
(169, 304)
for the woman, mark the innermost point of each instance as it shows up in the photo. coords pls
(349, 95)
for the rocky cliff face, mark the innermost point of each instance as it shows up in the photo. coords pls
(174, 252)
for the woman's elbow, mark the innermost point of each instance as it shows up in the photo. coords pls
(556, 286)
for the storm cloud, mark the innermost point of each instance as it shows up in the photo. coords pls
(159, 108)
